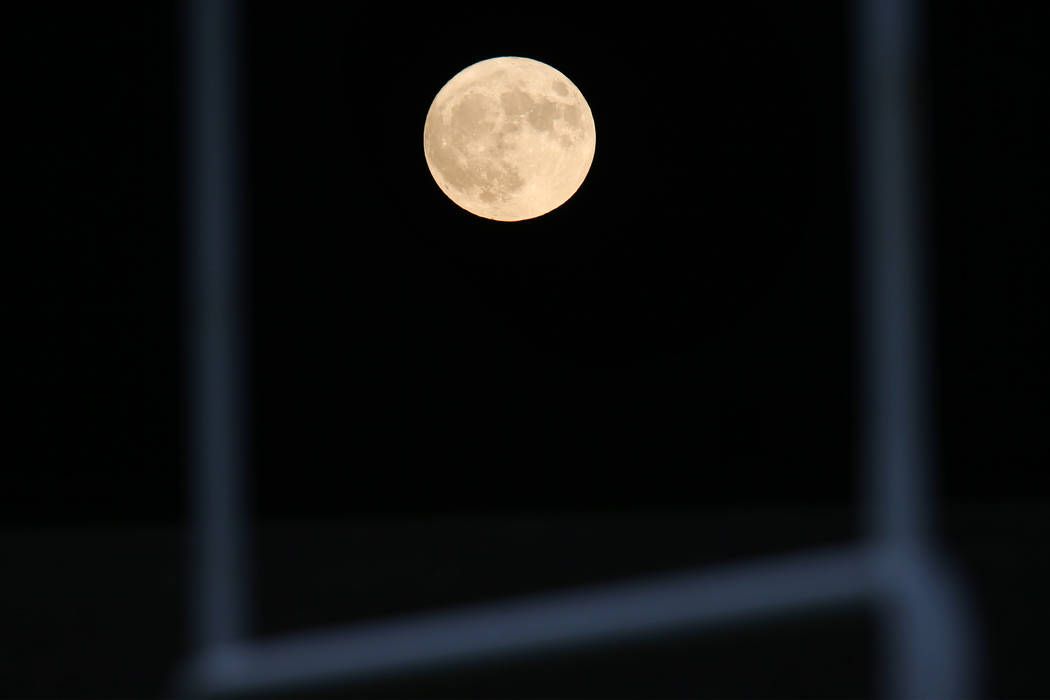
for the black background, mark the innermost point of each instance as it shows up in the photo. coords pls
(662, 372)
(522, 365)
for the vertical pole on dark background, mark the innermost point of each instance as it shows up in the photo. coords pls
(927, 639)
(897, 421)
(215, 344)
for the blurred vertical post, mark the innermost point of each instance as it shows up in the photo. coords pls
(927, 639)
(897, 429)
(215, 381)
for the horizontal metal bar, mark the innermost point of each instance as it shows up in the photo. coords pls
(602, 614)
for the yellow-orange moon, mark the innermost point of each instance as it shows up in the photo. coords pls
(509, 138)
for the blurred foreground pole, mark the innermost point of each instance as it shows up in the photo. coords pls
(927, 639)
(214, 338)
(897, 441)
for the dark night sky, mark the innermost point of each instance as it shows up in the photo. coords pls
(648, 322)
(688, 312)
(681, 334)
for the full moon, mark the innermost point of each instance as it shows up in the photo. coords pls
(509, 138)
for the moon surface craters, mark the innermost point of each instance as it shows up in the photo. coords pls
(509, 139)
